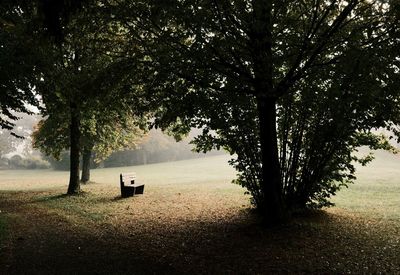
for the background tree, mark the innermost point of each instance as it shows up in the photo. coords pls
(93, 85)
(101, 134)
(64, 88)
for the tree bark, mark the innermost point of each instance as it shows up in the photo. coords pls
(260, 36)
(74, 183)
(86, 158)
(271, 184)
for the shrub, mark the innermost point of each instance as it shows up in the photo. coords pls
(18, 162)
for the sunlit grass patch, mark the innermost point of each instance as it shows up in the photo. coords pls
(83, 206)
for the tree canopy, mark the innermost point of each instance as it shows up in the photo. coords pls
(21, 60)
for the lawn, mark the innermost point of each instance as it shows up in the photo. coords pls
(204, 170)
(377, 189)
(191, 219)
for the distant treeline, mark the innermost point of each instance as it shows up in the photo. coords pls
(19, 162)
(156, 147)
(132, 157)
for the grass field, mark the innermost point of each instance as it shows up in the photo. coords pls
(191, 219)
(377, 189)
(198, 171)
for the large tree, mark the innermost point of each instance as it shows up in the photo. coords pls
(235, 66)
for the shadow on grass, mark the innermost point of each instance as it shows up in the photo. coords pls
(85, 195)
(61, 197)
(316, 242)
(118, 198)
(56, 197)
(51, 198)
(3, 228)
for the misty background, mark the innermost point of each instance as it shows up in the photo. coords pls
(155, 147)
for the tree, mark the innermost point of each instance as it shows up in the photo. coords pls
(101, 134)
(96, 88)
(235, 66)
(64, 88)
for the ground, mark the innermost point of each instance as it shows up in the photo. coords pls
(191, 220)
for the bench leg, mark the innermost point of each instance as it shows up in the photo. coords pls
(139, 189)
(127, 192)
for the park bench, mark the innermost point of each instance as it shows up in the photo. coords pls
(129, 186)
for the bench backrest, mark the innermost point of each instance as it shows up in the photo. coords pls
(127, 178)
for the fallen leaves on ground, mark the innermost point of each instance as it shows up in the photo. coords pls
(185, 232)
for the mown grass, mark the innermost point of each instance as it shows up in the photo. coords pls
(376, 192)
(81, 206)
(189, 189)
(188, 172)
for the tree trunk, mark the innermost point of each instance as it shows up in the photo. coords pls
(271, 184)
(260, 36)
(86, 158)
(74, 183)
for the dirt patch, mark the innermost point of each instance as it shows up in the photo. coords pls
(184, 232)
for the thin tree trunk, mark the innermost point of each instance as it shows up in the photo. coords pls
(273, 209)
(74, 183)
(86, 158)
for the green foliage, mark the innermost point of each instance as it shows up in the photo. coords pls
(103, 134)
(22, 59)
(61, 163)
(50, 138)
